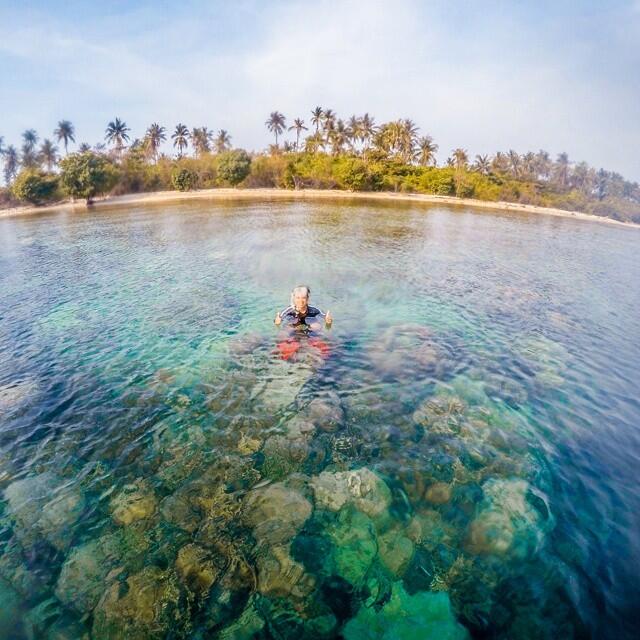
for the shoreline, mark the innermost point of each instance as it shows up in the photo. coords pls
(311, 194)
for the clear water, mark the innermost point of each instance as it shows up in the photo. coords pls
(463, 460)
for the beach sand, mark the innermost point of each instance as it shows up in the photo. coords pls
(309, 194)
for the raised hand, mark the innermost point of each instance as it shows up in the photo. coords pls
(328, 318)
(278, 319)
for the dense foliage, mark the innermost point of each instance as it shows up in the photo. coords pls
(35, 186)
(354, 154)
(234, 166)
(184, 179)
(87, 175)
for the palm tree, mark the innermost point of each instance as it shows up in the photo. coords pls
(427, 149)
(154, 137)
(562, 169)
(317, 116)
(117, 133)
(222, 141)
(368, 131)
(29, 139)
(48, 153)
(180, 138)
(543, 164)
(10, 164)
(529, 165)
(354, 131)
(328, 122)
(482, 165)
(1, 145)
(84, 147)
(65, 132)
(29, 157)
(514, 163)
(500, 163)
(338, 137)
(460, 158)
(298, 125)
(201, 140)
(276, 124)
(408, 140)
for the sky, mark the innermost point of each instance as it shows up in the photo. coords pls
(484, 76)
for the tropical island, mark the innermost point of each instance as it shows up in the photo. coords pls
(329, 154)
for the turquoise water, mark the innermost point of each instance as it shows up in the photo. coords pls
(462, 460)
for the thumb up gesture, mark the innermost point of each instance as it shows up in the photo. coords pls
(328, 318)
(278, 319)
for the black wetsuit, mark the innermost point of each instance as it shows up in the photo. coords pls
(292, 318)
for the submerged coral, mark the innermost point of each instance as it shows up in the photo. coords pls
(404, 615)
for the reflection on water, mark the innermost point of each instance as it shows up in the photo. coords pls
(459, 456)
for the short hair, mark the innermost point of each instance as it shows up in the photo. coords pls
(298, 290)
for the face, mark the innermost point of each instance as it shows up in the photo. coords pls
(300, 302)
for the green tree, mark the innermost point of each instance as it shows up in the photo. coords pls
(180, 138)
(64, 133)
(87, 175)
(184, 179)
(201, 140)
(117, 133)
(35, 186)
(276, 124)
(234, 166)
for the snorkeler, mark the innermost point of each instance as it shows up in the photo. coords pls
(300, 318)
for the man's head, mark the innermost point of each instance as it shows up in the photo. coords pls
(300, 298)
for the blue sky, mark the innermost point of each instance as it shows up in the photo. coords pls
(562, 76)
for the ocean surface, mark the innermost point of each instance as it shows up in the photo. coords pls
(458, 454)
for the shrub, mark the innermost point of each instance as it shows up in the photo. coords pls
(184, 179)
(438, 181)
(233, 167)
(35, 186)
(86, 175)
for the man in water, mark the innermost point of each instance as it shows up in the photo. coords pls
(298, 318)
(299, 312)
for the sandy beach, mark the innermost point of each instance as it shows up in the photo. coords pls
(309, 194)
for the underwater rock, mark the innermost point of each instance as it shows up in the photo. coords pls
(428, 529)
(283, 456)
(37, 515)
(403, 351)
(325, 412)
(354, 545)
(299, 427)
(275, 513)
(285, 380)
(248, 445)
(196, 569)
(10, 611)
(280, 576)
(88, 568)
(135, 502)
(246, 627)
(395, 551)
(245, 344)
(148, 608)
(365, 489)
(438, 493)
(424, 615)
(506, 522)
(440, 415)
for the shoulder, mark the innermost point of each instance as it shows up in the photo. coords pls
(287, 311)
(314, 311)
